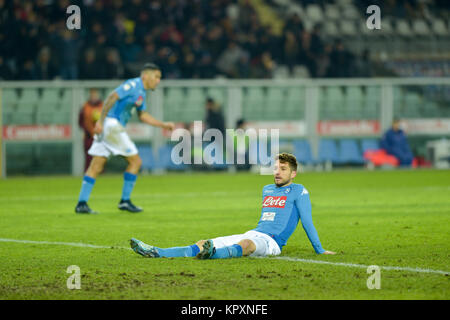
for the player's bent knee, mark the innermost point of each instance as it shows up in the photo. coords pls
(248, 247)
(138, 162)
(96, 166)
(200, 243)
(135, 161)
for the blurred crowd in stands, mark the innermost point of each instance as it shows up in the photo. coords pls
(187, 38)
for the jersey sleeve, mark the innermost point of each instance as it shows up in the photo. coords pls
(125, 89)
(304, 207)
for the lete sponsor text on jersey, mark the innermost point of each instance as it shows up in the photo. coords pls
(274, 202)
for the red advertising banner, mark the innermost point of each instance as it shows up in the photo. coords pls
(286, 128)
(348, 127)
(37, 132)
(426, 126)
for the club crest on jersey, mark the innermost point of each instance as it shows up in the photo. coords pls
(274, 202)
(287, 190)
(139, 101)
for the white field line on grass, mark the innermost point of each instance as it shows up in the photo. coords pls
(340, 264)
(71, 244)
(354, 265)
(137, 196)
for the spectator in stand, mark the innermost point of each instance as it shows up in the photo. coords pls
(89, 67)
(69, 46)
(341, 61)
(291, 50)
(206, 67)
(243, 67)
(216, 41)
(362, 65)
(207, 27)
(26, 72)
(306, 57)
(188, 67)
(229, 59)
(214, 116)
(88, 116)
(44, 69)
(293, 24)
(264, 66)
(5, 71)
(129, 49)
(113, 65)
(394, 142)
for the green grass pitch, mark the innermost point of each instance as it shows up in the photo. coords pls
(384, 218)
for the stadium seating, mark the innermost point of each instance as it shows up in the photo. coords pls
(253, 102)
(26, 105)
(173, 104)
(218, 94)
(439, 28)
(328, 151)
(9, 97)
(420, 27)
(372, 102)
(354, 100)
(165, 159)
(314, 13)
(348, 28)
(332, 12)
(331, 28)
(301, 72)
(194, 104)
(302, 151)
(332, 103)
(403, 28)
(148, 160)
(281, 72)
(349, 152)
(48, 108)
(369, 144)
(275, 103)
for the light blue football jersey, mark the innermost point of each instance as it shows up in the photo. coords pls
(282, 208)
(131, 95)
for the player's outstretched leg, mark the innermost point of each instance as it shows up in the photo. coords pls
(210, 252)
(143, 249)
(154, 252)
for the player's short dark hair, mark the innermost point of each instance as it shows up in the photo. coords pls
(150, 66)
(288, 158)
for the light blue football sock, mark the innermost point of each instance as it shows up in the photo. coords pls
(86, 188)
(233, 251)
(189, 251)
(129, 180)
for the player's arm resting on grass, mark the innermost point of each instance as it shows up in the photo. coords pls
(147, 118)
(110, 101)
(304, 207)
